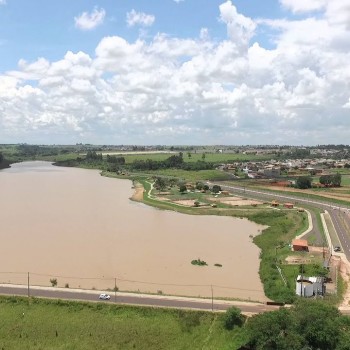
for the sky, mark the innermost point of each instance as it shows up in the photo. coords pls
(175, 72)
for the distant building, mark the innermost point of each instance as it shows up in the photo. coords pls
(288, 205)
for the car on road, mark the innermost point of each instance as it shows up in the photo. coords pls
(337, 248)
(104, 296)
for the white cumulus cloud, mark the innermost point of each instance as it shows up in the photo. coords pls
(299, 6)
(174, 90)
(240, 28)
(139, 18)
(89, 21)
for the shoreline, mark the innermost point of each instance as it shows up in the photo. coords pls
(137, 196)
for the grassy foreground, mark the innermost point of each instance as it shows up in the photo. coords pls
(57, 324)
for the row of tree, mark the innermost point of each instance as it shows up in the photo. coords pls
(331, 180)
(304, 182)
(174, 161)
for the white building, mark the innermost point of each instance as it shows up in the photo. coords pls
(309, 286)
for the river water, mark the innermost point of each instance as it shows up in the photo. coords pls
(81, 228)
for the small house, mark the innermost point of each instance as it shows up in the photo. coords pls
(309, 286)
(288, 205)
(299, 245)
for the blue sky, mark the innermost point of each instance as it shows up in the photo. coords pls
(175, 72)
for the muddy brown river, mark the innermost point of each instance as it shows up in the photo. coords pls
(81, 228)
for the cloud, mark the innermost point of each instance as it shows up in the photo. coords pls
(240, 29)
(301, 6)
(178, 1)
(2, 2)
(199, 90)
(89, 21)
(139, 18)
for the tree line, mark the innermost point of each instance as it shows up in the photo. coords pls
(332, 180)
(174, 161)
(306, 325)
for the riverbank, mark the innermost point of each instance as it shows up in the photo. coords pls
(137, 196)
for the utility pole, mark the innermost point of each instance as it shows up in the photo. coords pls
(28, 286)
(336, 280)
(115, 290)
(301, 284)
(212, 298)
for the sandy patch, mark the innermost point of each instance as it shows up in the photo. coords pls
(186, 202)
(138, 194)
(236, 201)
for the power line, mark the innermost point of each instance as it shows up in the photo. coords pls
(133, 281)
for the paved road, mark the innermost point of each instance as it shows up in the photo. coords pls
(339, 214)
(137, 299)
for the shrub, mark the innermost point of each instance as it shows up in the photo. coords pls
(199, 262)
(233, 317)
(53, 282)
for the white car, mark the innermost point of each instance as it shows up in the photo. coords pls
(104, 296)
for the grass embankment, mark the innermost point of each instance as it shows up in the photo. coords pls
(56, 324)
(274, 244)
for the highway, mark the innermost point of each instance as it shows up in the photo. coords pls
(340, 215)
(137, 299)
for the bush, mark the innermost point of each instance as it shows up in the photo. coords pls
(233, 317)
(216, 189)
(199, 262)
(53, 282)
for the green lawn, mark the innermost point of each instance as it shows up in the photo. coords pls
(55, 324)
(209, 157)
(186, 175)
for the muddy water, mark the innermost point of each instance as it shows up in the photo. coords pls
(81, 228)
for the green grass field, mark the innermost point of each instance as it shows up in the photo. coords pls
(54, 324)
(209, 157)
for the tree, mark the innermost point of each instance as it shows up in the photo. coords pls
(183, 188)
(308, 324)
(1, 157)
(274, 330)
(189, 155)
(233, 317)
(336, 180)
(199, 186)
(203, 156)
(325, 180)
(303, 182)
(160, 184)
(216, 189)
(112, 167)
(331, 180)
